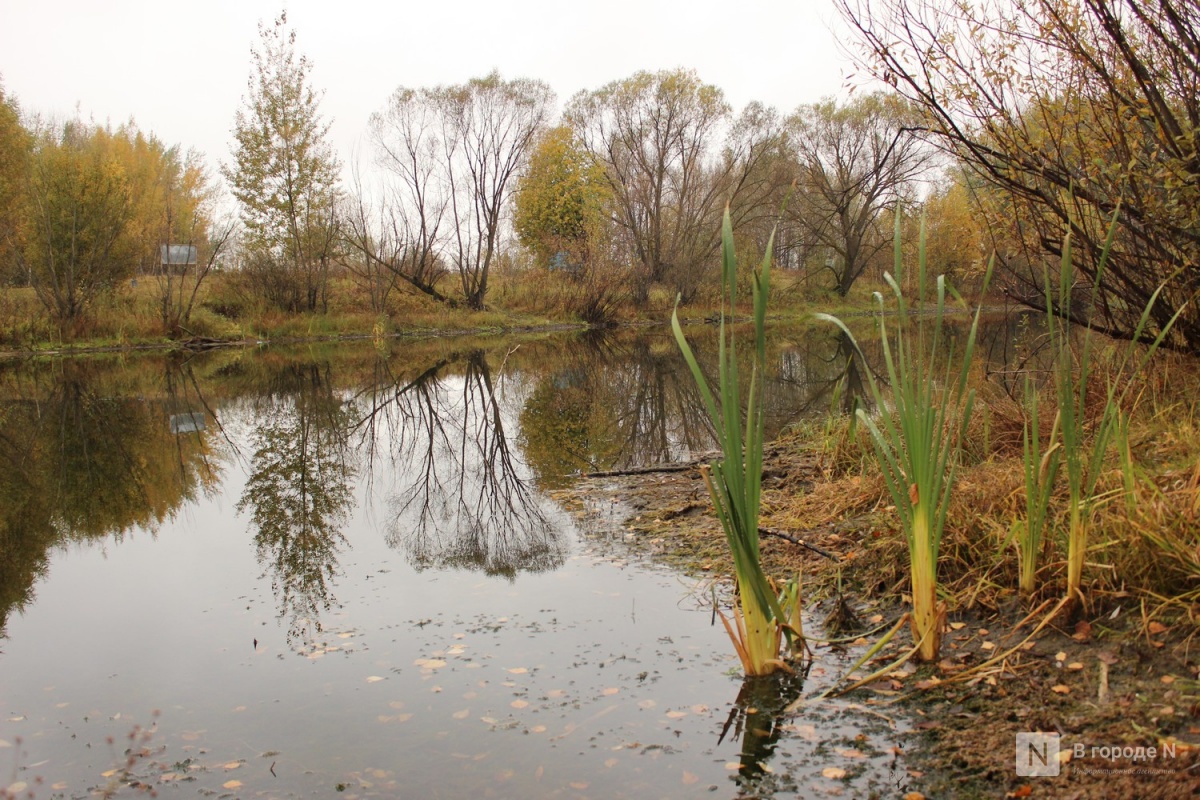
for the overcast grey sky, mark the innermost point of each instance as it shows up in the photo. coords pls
(180, 69)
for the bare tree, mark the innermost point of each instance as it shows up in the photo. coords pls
(674, 158)
(455, 152)
(855, 161)
(1067, 109)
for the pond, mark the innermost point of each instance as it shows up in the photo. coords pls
(299, 572)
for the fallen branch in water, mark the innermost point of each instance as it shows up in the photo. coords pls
(620, 473)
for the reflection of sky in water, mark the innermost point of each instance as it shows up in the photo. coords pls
(573, 672)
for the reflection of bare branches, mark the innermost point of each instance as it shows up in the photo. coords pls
(466, 500)
(830, 370)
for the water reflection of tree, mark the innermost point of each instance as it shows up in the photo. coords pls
(829, 372)
(86, 452)
(613, 402)
(299, 494)
(465, 499)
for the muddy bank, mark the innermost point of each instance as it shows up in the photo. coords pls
(1112, 679)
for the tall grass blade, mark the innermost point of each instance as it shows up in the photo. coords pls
(918, 443)
(762, 615)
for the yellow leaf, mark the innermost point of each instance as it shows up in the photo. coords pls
(233, 765)
(610, 691)
(834, 773)
(231, 784)
(466, 712)
(519, 703)
(689, 779)
(374, 679)
(1061, 689)
(518, 670)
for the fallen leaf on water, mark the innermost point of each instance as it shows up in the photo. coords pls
(231, 784)
(538, 729)
(4, 743)
(834, 773)
(58, 787)
(852, 753)
(611, 762)
(397, 704)
(699, 709)
(676, 714)
(233, 765)
(1061, 689)
(466, 712)
(733, 765)
(518, 670)
(647, 704)
(374, 679)
(108, 774)
(807, 732)
(16, 788)
(578, 785)
(689, 779)
(610, 691)
(556, 693)
(519, 703)
(18, 719)
(538, 773)
(488, 720)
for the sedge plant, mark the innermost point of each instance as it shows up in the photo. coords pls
(1041, 470)
(918, 443)
(762, 615)
(1083, 455)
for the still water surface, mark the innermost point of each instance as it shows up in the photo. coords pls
(343, 570)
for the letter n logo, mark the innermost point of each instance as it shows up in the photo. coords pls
(1037, 755)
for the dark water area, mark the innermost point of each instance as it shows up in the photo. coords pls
(341, 569)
